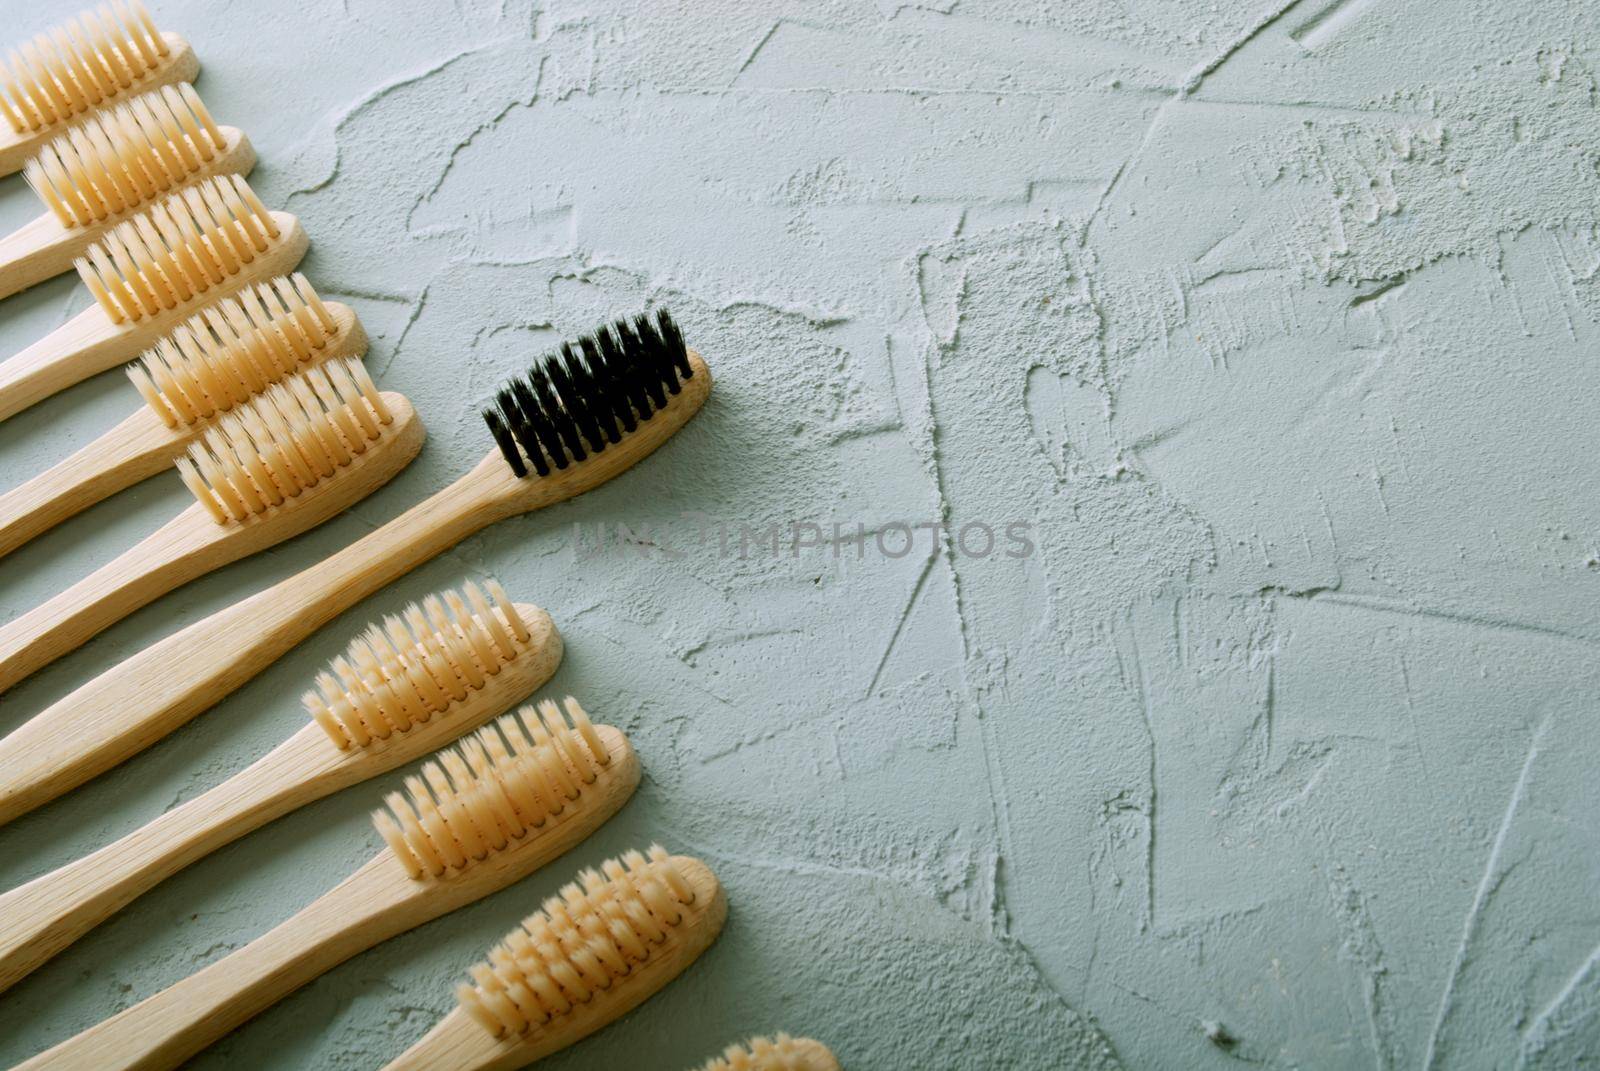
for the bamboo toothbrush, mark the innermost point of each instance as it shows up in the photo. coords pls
(296, 456)
(520, 793)
(406, 687)
(148, 275)
(782, 1053)
(592, 955)
(70, 71)
(218, 359)
(578, 421)
(114, 164)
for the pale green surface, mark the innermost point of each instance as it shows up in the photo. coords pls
(1279, 322)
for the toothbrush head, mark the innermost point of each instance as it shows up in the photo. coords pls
(99, 57)
(525, 775)
(781, 1053)
(595, 951)
(438, 670)
(302, 431)
(235, 350)
(202, 241)
(122, 159)
(584, 399)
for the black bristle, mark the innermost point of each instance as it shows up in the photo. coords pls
(672, 342)
(567, 375)
(524, 428)
(537, 434)
(567, 447)
(572, 403)
(623, 385)
(508, 445)
(645, 367)
(595, 371)
(662, 373)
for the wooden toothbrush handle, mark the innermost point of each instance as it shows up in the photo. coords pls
(190, 545)
(38, 250)
(458, 1043)
(134, 450)
(87, 344)
(39, 919)
(372, 905)
(90, 343)
(141, 700)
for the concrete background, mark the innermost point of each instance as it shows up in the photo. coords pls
(1276, 320)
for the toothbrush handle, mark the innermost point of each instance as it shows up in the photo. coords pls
(189, 545)
(459, 1043)
(87, 344)
(90, 343)
(134, 450)
(38, 250)
(373, 904)
(137, 702)
(39, 919)
(44, 247)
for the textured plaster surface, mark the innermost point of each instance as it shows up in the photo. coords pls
(1277, 320)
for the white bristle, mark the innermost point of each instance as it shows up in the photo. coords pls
(505, 779)
(231, 352)
(394, 676)
(582, 941)
(122, 159)
(300, 432)
(80, 65)
(184, 245)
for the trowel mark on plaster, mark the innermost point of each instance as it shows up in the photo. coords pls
(941, 284)
(1408, 694)
(1372, 604)
(367, 102)
(912, 54)
(1360, 947)
(1142, 684)
(1200, 73)
(1257, 741)
(994, 770)
(900, 621)
(1493, 874)
(1328, 22)
(1569, 1026)
(943, 871)
(465, 144)
(1070, 421)
(1097, 213)
(750, 57)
